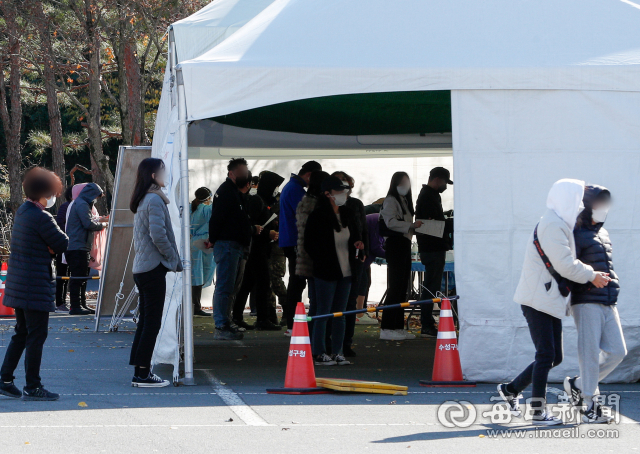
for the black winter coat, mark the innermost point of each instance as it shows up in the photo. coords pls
(229, 219)
(31, 277)
(429, 206)
(593, 247)
(319, 242)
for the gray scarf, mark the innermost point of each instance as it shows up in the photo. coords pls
(155, 189)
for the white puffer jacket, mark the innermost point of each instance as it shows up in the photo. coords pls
(555, 232)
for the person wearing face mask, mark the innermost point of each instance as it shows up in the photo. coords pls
(601, 345)
(542, 292)
(31, 282)
(258, 281)
(432, 249)
(255, 181)
(82, 221)
(397, 226)
(202, 263)
(156, 253)
(334, 245)
(360, 223)
(230, 233)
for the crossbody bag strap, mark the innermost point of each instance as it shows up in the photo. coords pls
(563, 284)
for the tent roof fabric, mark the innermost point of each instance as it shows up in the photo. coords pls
(301, 49)
(372, 113)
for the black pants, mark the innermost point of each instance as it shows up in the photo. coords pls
(196, 296)
(257, 281)
(433, 270)
(546, 333)
(31, 331)
(62, 269)
(352, 303)
(295, 288)
(398, 252)
(152, 286)
(78, 267)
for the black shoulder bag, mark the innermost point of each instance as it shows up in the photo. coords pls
(564, 285)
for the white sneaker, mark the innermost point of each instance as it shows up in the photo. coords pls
(407, 335)
(391, 335)
(366, 319)
(595, 415)
(287, 333)
(544, 418)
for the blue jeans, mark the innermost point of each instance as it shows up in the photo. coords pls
(227, 255)
(331, 296)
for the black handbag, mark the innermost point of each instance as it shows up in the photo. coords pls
(564, 285)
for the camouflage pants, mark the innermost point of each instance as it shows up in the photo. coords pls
(277, 269)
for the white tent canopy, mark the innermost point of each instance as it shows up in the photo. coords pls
(539, 91)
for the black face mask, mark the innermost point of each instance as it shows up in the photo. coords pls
(443, 188)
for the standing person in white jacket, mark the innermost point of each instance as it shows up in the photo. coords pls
(539, 294)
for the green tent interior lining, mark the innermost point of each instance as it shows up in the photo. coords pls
(423, 112)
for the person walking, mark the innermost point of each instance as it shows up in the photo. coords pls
(156, 253)
(601, 345)
(360, 223)
(62, 269)
(397, 226)
(304, 263)
(331, 240)
(230, 233)
(291, 196)
(30, 288)
(432, 250)
(549, 262)
(202, 264)
(257, 266)
(81, 223)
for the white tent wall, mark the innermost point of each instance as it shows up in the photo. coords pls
(510, 146)
(372, 177)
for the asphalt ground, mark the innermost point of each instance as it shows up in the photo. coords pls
(229, 411)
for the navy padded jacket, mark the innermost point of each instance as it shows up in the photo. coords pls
(31, 277)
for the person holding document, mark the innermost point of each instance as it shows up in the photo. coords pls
(432, 249)
(256, 271)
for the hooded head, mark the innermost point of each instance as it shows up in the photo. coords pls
(269, 182)
(592, 194)
(90, 192)
(565, 199)
(77, 189)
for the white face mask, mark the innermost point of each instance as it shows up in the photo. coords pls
(253, 191)
(340, 199)
(403, 190)
(51, 201)
(600, 214)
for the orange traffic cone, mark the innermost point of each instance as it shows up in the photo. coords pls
(446, 365)
(300, 377)
(4, 311)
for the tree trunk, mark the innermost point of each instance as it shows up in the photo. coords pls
(53, 108)
(12, 119)
(134, 97)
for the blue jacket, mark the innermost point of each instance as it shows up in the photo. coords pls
(31, 277)
(593, 247)
(202, 263)
(292, 194)
(80, 224)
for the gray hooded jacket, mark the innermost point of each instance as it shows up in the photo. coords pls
(80, 225)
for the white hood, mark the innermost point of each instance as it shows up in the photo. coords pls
(565, 198)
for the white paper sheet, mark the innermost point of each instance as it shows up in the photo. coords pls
(273, 216)
(431, 227)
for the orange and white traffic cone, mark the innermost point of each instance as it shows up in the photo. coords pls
(4, 311)
(447, 370)
(300, 377)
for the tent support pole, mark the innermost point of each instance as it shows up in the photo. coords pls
(187, 308)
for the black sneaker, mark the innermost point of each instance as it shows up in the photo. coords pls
(87, 308)
(341, 360)
(38, 394)
(9, 389)
(266, 325)
(79, 311)
(544, 418)
(152, 381)
(573, 392)
(594, 415)
(244, 325)
(429, 332)
(512, 400)
(283, 321)
(324, 360)
(227, 333)
(348, 352)
(201, 313)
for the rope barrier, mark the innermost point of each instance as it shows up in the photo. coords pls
(66, 278)
(380, 308)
